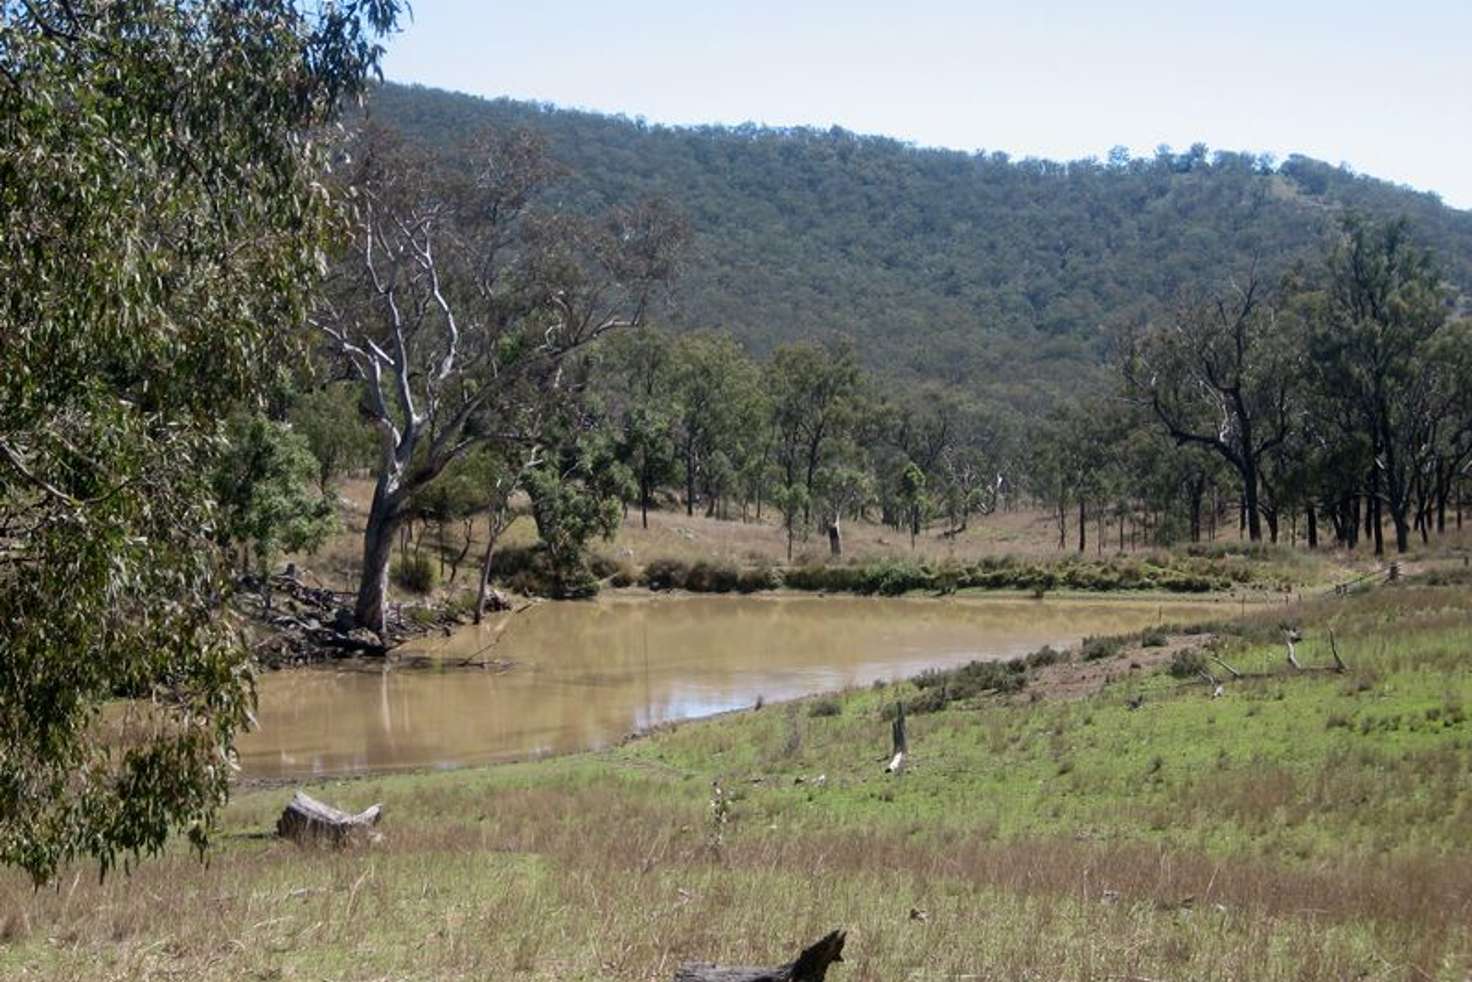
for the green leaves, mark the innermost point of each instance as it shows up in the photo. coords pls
(160, 227)
(261, 482)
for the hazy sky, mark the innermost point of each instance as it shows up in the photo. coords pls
(1383, 86)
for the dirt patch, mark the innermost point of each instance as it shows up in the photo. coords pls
(1079, 679)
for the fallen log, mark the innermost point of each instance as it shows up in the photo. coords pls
(1234, 673)
(810, 966)
(308, 820)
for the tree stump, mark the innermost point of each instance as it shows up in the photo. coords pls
(308, 820)
(901, 741)
(810, 966)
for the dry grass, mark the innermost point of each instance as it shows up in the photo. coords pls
(534, 889)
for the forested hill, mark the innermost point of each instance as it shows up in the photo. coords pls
(970, 267)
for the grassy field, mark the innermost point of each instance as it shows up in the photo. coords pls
(1305, 825)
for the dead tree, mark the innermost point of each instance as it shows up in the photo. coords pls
(810, 966)
(901, 741)
(1292, 637)
(457, 305)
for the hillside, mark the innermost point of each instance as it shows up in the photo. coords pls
(974, 268)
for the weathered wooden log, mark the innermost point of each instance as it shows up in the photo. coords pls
(307, 820)
(810, 966)
(1234, 673)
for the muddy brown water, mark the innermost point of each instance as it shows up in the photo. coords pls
(587, 674)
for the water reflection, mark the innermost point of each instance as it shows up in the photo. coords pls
(589, 673)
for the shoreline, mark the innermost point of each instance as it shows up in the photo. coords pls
(1133, 655)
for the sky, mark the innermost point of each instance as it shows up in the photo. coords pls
(1383, 87)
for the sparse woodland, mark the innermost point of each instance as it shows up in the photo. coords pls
(237, 274)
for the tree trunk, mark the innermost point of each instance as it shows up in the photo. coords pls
(835, 539)
(690, 483)
(1250, 502)
(1313, 526)
(1378, 524)
(465, 551)
(1402, 531)
(384, 519)
(1198, 492)
(1083, 527)
(494, 528)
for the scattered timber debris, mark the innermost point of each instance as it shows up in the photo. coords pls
(295, 623)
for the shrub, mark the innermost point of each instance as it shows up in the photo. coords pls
(974, 678)
(666, 574)
(1095, 648)
(711, 577)
(1044, 656)
(894, 577)
(603, 566)
(928, 701)
(1186, 664)
(415, 573)
(1153, 638)
(762, 577)
(825, 706)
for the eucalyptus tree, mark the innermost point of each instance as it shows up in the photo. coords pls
(1225, 372)
(339, 439)
(459, 302)
(814, 391)
(1374, 342)
(575, 491)
(712, 386)
(1451, 458)
(636, 387)
(842, 489)
(263, 500)
(162, 224)
(1069, 457)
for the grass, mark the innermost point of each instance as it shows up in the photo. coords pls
(1306, 825)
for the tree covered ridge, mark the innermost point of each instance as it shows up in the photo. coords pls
(939, 263)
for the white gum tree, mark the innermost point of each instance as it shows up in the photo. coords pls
(458, 302)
